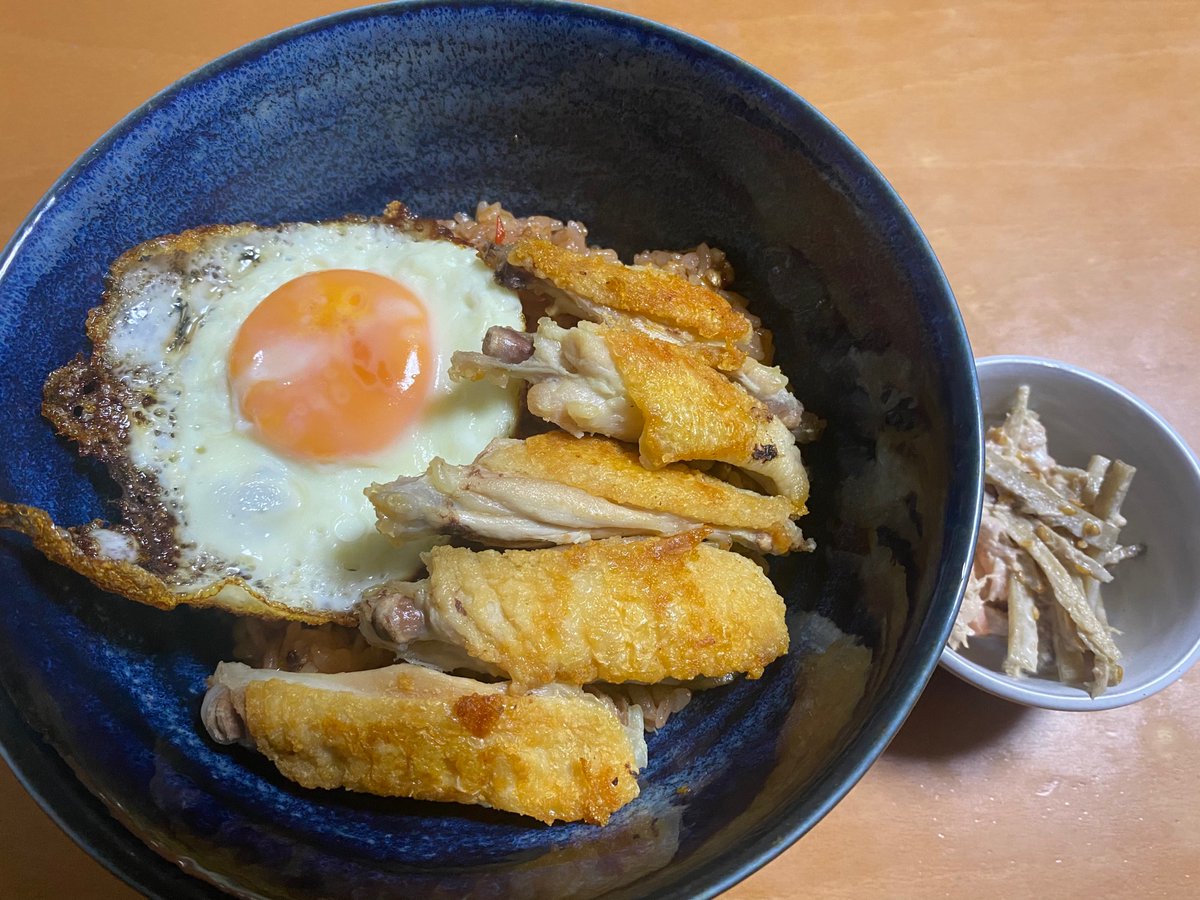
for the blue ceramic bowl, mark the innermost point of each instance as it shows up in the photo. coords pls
(655, 140)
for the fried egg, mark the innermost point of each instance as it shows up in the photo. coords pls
(248, 383)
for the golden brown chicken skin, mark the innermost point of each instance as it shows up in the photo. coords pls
(408, 731)
(622, 383)
(614, 610)
(504, 508)
(691, 412)
(613, 471)
(614, 291)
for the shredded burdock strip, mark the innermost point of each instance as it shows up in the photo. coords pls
(1039, 499)
(1070, 597)
(1070, 656)
(1049, 539)
(1071, 556)
(1022, 631)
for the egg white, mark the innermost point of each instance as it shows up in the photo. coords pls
(300, 532)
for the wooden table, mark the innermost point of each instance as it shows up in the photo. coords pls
(1049, 150)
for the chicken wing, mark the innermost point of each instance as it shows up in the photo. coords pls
(621, 383)
(660, 303)
(409, 731)
(762, 382)
(615, 610)
(556, 489)
(640, 297)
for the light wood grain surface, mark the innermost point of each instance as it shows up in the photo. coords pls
(1049, 151)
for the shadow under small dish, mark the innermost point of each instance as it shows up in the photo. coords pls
(653, 139)
(1154, 599)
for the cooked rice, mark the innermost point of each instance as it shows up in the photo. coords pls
(702, 264)
(493, 225)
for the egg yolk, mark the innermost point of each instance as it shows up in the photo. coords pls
(332, 365)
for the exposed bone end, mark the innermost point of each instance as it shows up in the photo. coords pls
(410, 508)
(389, 615)
(507, 344)
(222, 712)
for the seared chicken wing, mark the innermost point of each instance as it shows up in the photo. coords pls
(615, 610)
(556, 489)
(641, 297)
(660, 303)
(626, 385)
(409, 731)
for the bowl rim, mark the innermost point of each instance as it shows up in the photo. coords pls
(1018, 691)
(81, 815)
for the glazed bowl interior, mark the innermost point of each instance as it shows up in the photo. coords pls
(654, 140)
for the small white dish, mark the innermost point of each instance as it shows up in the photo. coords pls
(1154, 599)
